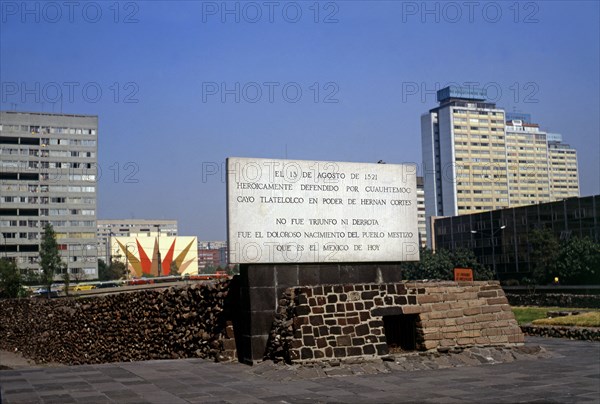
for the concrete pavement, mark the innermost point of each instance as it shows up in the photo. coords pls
(571, 374)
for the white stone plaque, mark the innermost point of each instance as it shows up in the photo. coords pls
(297, 211)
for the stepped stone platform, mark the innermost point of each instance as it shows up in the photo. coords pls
(371, 320)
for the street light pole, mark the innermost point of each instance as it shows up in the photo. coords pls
(492, 234)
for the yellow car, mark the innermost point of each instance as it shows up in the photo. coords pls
(84, 287)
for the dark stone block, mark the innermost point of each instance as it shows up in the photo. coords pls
(308, 274)
(330, 321)
(349, 329)
(302, 310)
(362, 329)
(330, 308)
(357, 341)
(261, 275)
(386, 311)
(359, 305)
(329, 352)
(323, 330)
(261, 322)
(364, 316)
(319, 354)
(308, 340)
(338, 289)
(262, 298)
(306, 353)
(340, 307)
(382, 349)
(343, 297)
(318, 310)
(339, 352)
(400, 300)
(354, 351)
(391, 289)
(259, 346)
(376, 323)
(412, 299)
(388, 300)
(369, 295)
(286, 275)
(302, 299)
(369, 349)
(332, 299)
(329, 275)
(335, 330)
(316, 320)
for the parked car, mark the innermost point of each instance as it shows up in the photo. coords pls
(43, 292)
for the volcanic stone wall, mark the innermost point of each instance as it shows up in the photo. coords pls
(341, 321)
(170, 323)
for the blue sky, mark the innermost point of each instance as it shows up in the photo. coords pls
(366, 71)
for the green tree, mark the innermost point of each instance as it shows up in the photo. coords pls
(116, 270)
(545, 248)
(441, 263)
(578, 262)
(10, 279)
(50, 259)
(66, 277)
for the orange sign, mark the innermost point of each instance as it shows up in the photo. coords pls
(463, 274)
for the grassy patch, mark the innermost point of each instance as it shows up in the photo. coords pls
(591, 319)
(527, 314)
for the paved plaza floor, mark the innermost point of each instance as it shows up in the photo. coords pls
(570, 375)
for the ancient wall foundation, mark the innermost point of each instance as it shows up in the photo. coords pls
(371, 320)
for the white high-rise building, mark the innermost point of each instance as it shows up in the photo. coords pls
(48, 165)
(476, 159)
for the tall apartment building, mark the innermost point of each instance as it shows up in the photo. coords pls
(131, 228)
(528, 163)
(48, 165)
(564, 177)
(464, 154)
(478, 158)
